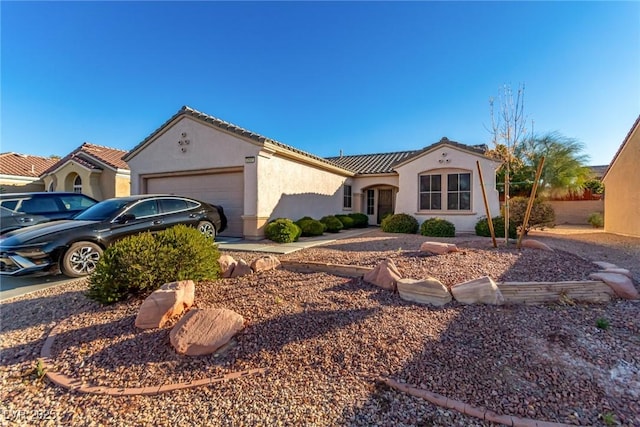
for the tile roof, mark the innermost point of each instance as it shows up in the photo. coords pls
(230, 127)
(598, 170)
(90, 155)
(365, 164)
(24, 164)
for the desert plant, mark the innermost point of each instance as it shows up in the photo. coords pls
(282, 230)
(482, 228)
(609, 418)
(310, 226)
(333, 224)
(602, 323)
(360, 220)
(141, 263)
(346, 220)
(438, 227)
(596, 220)
(399, 223)
(542, 214)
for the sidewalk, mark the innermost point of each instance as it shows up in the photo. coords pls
(238, 244)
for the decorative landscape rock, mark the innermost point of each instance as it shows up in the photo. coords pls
(619, 270)
(384, 275)
(171, 299)
(438, 248)
(425, 291)
(265, 263)
(535, 244)
(227, 264)
(621, 284)
(478, 291)
(203, 331)
(241, 269)
(604, 265)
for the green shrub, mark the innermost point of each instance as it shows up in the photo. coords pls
(438, 227)
(310, 226)
(360, 220)
(596, 220)
(139, 264)
(333, 224)
(399, 223)
(542, 214)
(482, 227)
(282, 230)
(346, 220)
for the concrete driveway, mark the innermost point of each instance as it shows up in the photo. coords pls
(15, 286)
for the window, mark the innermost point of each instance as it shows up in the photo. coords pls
(144, 209)
(172, 205)
(346, 203)
(76, 203)
(459, 191)
(457, 196)
(52, 187)
(77, 185)
(370, 202)
(430, 192)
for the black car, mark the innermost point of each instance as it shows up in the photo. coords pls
(30, 208)
(75, 246)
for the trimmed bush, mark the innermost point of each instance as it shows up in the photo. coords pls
(140, 264)
(282, 230)
(438, 227)
(360, 220)
(310, 226)
(542, 214)
(333, 224)
(596, 220)
(400, 223)
(346, 220)
(482, 228)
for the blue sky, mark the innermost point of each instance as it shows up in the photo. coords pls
(361, 77)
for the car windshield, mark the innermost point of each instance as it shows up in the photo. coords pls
(101, 211)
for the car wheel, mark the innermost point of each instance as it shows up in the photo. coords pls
(80, 259)
(207, 228)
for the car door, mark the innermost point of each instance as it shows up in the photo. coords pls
(144, 217)
(10, 220)
(176, 211)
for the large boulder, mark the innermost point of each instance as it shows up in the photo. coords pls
(203, 331)
(620, 283)
(535, 244)
(425, 291)
(170, 300)
(478, 291)
(265, 263)
(384, 275)
(227, 264)
(438, 248)
(241, 269)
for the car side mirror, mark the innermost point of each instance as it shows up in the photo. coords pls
(124, 218)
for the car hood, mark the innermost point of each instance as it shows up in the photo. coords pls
(40, 231)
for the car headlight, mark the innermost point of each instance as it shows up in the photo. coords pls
(32, 251)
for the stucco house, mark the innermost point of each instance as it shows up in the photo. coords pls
(21, 172)
(621, 187)
(256, 178)
(90, 169)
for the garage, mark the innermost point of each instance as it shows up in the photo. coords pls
(225, 189)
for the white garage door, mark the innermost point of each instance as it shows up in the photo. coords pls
(224, 189)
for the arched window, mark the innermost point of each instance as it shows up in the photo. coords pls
(77, 185)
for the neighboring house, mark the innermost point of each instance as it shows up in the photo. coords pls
(257, 179)
(90, 169)
(621, 187)
(576, 208)
(21, 172)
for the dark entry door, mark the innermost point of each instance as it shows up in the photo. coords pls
(385, 203)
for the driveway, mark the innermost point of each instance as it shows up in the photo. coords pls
(15, 286)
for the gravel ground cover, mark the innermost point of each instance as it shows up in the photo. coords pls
(324, 338)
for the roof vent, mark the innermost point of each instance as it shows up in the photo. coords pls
(444, 139)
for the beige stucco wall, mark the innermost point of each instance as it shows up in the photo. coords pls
(292, 190)
(576, 211)
(99, 184)
(208, 148)
(621, 186)
(455, 160)
(16, 184)
(122, 185)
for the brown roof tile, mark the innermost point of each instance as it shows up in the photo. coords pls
(90, 155)
(24, 164)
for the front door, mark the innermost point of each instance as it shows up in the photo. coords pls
(385, 203)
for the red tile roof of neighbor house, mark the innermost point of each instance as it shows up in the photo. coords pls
(90, 155)
(24, 165)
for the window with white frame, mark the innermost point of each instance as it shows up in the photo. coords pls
(456, 197)
(77, 185)
(370, 202)
(346, 202)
